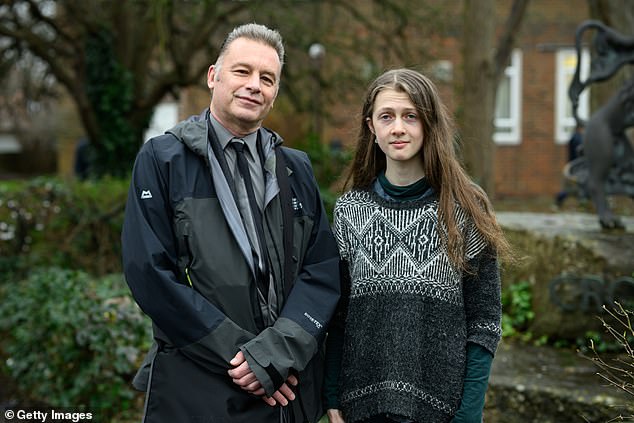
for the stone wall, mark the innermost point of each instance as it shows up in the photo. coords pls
(573, 268)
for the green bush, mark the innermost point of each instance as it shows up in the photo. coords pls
(48, 222)
(73, 340)
(328, 166)
(517, 310)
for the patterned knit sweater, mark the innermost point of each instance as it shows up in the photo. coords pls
(408, 311)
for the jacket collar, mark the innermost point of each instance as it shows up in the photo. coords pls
(193, 133)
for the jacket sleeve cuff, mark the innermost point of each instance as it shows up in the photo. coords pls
(215, 350)
(267, 375)
(276, 351)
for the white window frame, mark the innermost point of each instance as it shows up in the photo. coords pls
(513, 123)
(564, 123)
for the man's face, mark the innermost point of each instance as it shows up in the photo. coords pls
(245, 86)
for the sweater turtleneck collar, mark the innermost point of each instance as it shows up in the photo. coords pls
(409, 192)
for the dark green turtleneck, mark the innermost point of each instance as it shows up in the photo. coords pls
(404, 193)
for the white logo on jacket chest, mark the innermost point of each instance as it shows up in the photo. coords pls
(145, 194)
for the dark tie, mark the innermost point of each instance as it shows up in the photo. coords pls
(243, 168)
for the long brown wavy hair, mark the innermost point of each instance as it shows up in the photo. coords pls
(442, 168)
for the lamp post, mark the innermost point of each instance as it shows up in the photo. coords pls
(316, 52)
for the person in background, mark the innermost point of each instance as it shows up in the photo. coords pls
(574, 150)
(419, 321)
(81, 166)
(227, 247)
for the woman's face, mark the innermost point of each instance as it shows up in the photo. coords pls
(398, 128)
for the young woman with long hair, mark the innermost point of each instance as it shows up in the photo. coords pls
(419, 322)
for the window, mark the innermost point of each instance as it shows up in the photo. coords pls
(9, 144)
(507, 103)
(165, 117)
(566, 65)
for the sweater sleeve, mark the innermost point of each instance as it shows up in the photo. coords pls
(475, 385)
(482, 298)
(334, 353)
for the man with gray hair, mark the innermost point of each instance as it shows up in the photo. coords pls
(227, 247)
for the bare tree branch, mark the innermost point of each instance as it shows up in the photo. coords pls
(507, 39)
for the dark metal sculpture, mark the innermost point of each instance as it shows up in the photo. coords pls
(607, 165)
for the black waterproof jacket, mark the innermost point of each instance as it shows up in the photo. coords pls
(189, 266)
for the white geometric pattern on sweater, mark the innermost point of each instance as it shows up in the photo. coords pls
(402, 243)
(399, 386)
(486, 326)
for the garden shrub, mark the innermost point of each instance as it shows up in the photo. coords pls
(328, 166)
(48, 222)
(73, 340)
(517, 311)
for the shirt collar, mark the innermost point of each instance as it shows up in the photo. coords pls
(225, 137)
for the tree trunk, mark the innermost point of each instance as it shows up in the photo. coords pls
(479, 87)
(484, 63)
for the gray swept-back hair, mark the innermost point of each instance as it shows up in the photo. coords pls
(256, 32)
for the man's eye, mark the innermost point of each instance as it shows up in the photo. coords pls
(385, 117)
(411, 116)
(268, 81)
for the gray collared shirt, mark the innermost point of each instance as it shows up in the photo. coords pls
(253, 158)
(257, 176)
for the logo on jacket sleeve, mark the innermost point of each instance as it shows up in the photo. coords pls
(314, 321)
(145, 194)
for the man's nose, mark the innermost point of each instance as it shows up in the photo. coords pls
(254, 82)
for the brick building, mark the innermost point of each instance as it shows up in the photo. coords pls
(531, 154)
